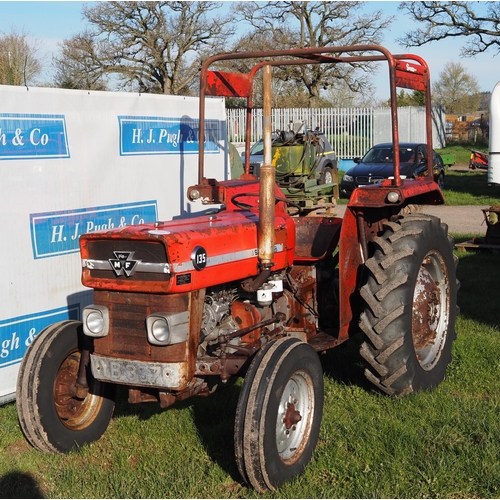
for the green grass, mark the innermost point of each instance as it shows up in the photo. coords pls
(444, 443)
(462, 152)
(464, 187)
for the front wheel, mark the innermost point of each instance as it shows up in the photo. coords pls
(52, 417)
(279, 413)
(410, 296)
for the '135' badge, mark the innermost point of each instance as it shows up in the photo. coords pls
(199, 258)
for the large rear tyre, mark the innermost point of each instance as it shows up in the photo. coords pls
(51, 416)
(279, 413)
(410, 295)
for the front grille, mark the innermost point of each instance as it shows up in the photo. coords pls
(127, 325)
(147, 252)
(363, 179)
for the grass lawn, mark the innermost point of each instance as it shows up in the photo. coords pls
(445, 443)
(462, 152)
(464, 187)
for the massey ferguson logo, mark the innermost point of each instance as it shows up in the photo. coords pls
(123, 264)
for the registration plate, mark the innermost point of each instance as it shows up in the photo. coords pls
(124, 371)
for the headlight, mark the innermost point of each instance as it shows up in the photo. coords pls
(95, 321)
(348, 178)
(160, 331)
(168, 328)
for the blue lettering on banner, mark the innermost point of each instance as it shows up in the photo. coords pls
(57, 233)
(142, 135)
(30, 136)
(16, 334)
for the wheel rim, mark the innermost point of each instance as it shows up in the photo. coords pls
(295, 416)
(328, 176)
(74, 413)
(430, 311)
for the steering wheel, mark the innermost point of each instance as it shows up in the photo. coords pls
(247, 206)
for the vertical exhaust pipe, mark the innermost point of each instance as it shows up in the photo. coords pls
(267, 182)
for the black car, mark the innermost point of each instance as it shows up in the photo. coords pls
(378, 164)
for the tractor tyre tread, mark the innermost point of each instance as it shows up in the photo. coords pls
(388, 295)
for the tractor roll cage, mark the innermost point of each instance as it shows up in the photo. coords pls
(405, 70)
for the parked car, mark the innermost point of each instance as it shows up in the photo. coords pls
(325, 169)
(378, 164)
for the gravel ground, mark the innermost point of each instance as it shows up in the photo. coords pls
(467, 219)
(460, 220)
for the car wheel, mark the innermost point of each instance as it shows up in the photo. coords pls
(326, 176)
(440, 180)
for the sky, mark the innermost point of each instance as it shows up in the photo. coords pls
(50, 22)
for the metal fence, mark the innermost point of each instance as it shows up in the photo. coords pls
(351, 131)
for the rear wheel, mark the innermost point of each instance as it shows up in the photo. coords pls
(51, 416)
(410, 295)
(279, 413)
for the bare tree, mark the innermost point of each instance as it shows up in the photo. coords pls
(317, 24)
(149, 46)
(442, 20)
(456, 90)
(78, 64)
(285, 92)
(341, 96)
(19, 64)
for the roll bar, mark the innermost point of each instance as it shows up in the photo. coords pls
(405, 70)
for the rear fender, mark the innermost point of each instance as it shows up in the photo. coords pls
(364, 218)
(421, 191)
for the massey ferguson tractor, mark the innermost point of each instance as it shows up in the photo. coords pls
(255, 286)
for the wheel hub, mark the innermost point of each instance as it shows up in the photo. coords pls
(66, 405)
(430, 304)
(293, 424)
(73, 412)
(426, 310)
(292, 416)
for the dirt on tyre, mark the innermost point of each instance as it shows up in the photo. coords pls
(410, 294)
(52, 417)
(279, 413)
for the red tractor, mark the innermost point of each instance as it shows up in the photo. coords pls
(257, 288)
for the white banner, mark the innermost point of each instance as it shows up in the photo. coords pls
(73, 162)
